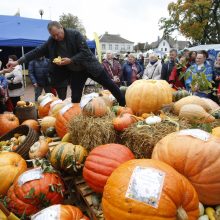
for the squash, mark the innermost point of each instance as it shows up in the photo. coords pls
(47, 122)
(195, 114)
(8, 122)
(195, 154)
(50, 132)
(11, 166)
(211, 213)
(44, 106)
(21, 103)
(39, 149)
(123, 121)
(179, 94)
(55, 107)
(102, 161)
(190, 100)
(32, 124)
(123, 110)
(68, 157)
(203, 217)
(169, 194)
(213, 105)
(146, 96)
(60, 212)
(64, 116)
(42, 97)
(33, 191)
(95, 107)
(201, 209)
(216, 132)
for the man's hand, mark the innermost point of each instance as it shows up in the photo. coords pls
(12, 64)
(64, 61)
(35, 85)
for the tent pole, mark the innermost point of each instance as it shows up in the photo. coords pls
(23, 69)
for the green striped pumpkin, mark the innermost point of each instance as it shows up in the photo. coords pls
(179, 94)
(68, 157)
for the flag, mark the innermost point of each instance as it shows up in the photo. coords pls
(98, 48)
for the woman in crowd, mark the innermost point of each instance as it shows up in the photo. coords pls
(132, 70)
(15, 82)
(153, 69)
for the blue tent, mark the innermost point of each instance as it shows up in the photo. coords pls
(16, 31)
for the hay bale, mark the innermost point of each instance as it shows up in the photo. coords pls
(91, 132)
(142, 139)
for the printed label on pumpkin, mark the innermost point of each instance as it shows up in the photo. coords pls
(197, 133)
(55, 102)
(50, 213)
(66, 108)
(45, 101)
(87, 98)
(30, 175)
(146, 185)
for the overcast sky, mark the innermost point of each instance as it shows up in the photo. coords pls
(135, 20)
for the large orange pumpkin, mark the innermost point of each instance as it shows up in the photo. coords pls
(32, 124)
(146, 96)
(195, 154)
(102, 161)
(8, 122)
(64, 116)
(11, 166)
(146, 189)
(33, 191)
(61, 212)
(44, 106)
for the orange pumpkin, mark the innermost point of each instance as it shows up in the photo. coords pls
(95, 107)
(32, 124)
(124, 110)
(62, 212)
(174, 197)
(44, 106)
(11, 166)
(8, 122)
(123, 121)
(195, 154)
(146, 96)
(102, 161)
(64, 116)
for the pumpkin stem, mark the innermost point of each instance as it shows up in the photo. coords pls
(181, 214)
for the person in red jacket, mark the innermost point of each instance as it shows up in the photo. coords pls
(176, 78)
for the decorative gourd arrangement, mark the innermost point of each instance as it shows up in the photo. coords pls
(8, 122)
(146, 96)
(102, 161)
(11, 166)
(169, 194)
(195, 154)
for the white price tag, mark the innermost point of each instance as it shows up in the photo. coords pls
(30, 175)
(45, 101)
(87, 98)
(50, 213)
(66, 108)
(146, 185)
(55, 102)
(197, 133)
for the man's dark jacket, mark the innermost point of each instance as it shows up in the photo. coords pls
(167, 69)
(78, 52)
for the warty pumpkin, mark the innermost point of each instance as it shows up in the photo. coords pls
(11, 166)
(190, 100)
(33, 191)
(68, 157)
(60, 212)
(146, 96)
(8, 122)
(102, 161)
(64, 116)
(146, 189)
(195, 114)
(196, 155)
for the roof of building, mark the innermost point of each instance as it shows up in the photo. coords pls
(113, 38)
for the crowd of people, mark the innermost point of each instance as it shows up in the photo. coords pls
(189, 70)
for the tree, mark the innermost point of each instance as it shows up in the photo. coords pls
(71, 21)
(198, 20)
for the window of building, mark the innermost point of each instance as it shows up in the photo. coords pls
(103, 46)
(161, 49)
(164, 43)
(165, 49)
(128, 47)
(110, 47)
(116, 46)
(122, 47)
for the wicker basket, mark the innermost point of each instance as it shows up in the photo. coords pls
(25, 113)
(32, 137)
